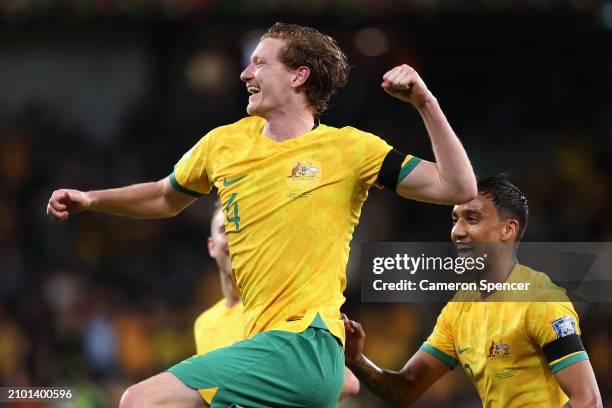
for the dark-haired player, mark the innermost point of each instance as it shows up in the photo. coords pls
(292, 191)
(517, 354)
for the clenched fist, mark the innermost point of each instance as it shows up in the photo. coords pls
(65, 202)
(404, 83)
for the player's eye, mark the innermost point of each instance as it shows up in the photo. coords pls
(473, 220)
(454, 220)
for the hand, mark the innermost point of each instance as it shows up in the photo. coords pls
(355, 340)
(65, 202)
(404, 83)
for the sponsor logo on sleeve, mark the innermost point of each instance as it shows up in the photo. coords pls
(564, 326)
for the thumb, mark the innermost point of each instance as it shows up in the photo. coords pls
(67, 198)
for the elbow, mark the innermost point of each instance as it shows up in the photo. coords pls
(590, 400)
(464, 194)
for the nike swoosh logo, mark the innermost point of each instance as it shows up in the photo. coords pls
(462, 350)
(227, 183)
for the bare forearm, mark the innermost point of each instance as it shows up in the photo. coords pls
(454, 168)
(388, 385)
(144, 200)
(592, 400)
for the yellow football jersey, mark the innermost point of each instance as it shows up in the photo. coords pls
(218, 327)
(500, 345)
(290, 210)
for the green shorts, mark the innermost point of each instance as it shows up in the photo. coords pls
(272, 369)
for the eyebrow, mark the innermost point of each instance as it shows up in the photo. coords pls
(467, 213)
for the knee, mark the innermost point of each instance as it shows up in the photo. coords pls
(133, 397)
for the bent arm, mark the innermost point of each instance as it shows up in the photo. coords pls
(403, 387)
(147, 200)
(451, 179)
(578, 383)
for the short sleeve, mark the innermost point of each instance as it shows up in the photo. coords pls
(374, 152)
(191, 173)
(554, 327)
(440, 343)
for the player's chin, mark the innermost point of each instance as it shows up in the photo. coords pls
(251, 109)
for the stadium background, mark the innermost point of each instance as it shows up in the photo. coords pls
(95, 94)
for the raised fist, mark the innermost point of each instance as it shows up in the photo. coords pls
(404, 83)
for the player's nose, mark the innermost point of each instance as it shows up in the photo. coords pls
(247, 73)
(458, 232)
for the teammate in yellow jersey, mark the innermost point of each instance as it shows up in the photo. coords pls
(221, 325)
(291, 190)
(517, 354)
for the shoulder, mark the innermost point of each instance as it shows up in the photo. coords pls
(211, 313)
(248, 125)
(451, 310)
(352, 132)
(542, 288)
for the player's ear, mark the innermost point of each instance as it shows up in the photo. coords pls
(301, 76)
(510, 231)
(211, 247)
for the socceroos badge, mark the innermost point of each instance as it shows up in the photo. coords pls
(303, 176)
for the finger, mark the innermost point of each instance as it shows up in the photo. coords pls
(404, 79)
(56, 205)
(389, 73)
(389, 89)
(60, 215)
(401, 70)
(393, 79)
(67, 197)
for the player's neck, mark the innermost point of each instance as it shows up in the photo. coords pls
(288, 124)
(230, 291)
(499, 270)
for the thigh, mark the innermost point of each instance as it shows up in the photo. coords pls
(162, 390)
(272, 369)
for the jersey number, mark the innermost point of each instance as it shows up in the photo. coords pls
(232, 205)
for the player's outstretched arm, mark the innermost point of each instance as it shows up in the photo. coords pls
(147, 200)
(399, 388)
(578, 383)
(451, 179)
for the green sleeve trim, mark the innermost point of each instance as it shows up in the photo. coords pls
(445, 358)
(560, 365)
(178, 187)
(408, 167)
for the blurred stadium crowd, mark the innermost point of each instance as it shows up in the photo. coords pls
(100, 302)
